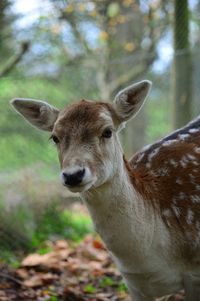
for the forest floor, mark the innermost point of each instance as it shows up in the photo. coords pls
(68, 272)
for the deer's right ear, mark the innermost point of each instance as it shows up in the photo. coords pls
(39, 113)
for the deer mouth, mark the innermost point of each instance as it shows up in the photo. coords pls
(81, 187)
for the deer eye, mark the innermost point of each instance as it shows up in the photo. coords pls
(55, 139)
(107, 133)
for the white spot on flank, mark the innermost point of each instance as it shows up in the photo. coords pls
(174, 200)
(183, 136)
(169, 142)
(148, 165)
(179, 181)
(197, 150)
(153, 153)
(193, 131)
(192, 178)
(176, 210)
(183, 163)
(181, 195)
(195, 198)
(190, 216)
(173, 162)
(191, 157)
(197, 187)
(185, 159)
(163, 171)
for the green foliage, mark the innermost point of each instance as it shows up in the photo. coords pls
(107, 281)
(122, 287)
(10, 258)
(24, 229)
(56, 223)
(90, 289)
(113, 9)
(43, 250)
(54, 298)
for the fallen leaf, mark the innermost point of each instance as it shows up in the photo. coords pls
(22, 273)
(71, 295)
(61, 244)
(97, 244)
(40, 279)
(34, 281)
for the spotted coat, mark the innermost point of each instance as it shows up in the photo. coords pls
(167, 175)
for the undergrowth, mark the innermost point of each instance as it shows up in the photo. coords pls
(23, 229)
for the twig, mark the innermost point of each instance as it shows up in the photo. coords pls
(12, 278)
(15, 59)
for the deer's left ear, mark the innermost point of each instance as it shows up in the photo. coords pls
(39, 113)
(129, 101)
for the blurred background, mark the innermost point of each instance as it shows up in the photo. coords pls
(62, 51)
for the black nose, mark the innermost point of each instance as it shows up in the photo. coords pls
(73, 179)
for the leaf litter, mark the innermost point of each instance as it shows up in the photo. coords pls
(82, 272)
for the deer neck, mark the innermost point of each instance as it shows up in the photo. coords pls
(119, 214)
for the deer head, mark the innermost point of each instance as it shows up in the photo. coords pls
(85, 134)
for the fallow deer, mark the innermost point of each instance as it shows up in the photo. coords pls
(147, 209)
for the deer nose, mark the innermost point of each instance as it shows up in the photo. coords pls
(73, 179)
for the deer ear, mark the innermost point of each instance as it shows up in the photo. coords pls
(129, 101)
(39, 113)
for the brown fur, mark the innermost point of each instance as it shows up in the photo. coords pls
(80, 123)
(169, 181)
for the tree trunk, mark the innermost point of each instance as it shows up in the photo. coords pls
(182, 65)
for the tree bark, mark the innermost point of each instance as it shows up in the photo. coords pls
(182, 65)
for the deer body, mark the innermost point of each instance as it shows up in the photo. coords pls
(141, 246)
(147, 210)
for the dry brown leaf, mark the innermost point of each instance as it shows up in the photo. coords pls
(34, 281)
(72, 294)
(48, 278)
(49, 260)
(4, 285)
(33, 260)
(40, 279)
(62, 254)
(22, 273)
(61, 244)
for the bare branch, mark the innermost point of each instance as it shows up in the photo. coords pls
(15, 59)
(73, 23)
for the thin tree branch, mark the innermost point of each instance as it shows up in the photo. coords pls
(15, 59)
(73, 23)
(12, 278)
